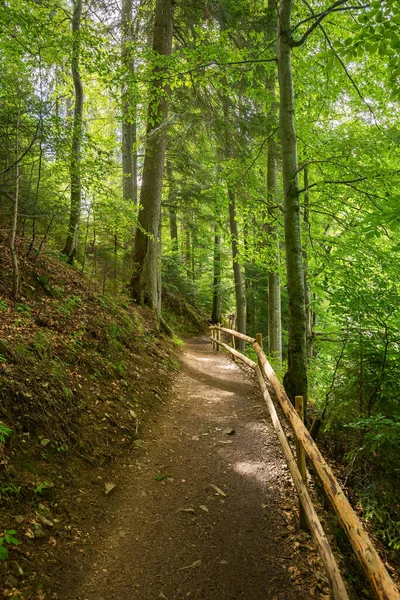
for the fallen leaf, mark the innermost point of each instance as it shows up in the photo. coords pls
(188, 510)
(161, 477)
(197, 563)
(204, 507)
(109, 487)
(29, 534)
(218, 490)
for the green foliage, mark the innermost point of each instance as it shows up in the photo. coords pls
(7, 538)
(10, 489)
(39, 489)
(380, 433)
(5, 432)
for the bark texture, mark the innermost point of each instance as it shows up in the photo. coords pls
(237, 269)
(76, 146)
(237, 272)
(14, 220)
(145, 282)
(129, 154)
(216, 316)
(274, 280)
(295, 379)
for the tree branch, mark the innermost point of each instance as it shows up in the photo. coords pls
(335, 7)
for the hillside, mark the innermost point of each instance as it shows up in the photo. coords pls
(80, 372)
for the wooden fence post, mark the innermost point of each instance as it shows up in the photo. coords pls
(212, 338)
(301, 459)
(218, 336)
(234, 347)
(259, 341)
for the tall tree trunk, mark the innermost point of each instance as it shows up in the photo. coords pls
(14, 219)
(145, 281)
(216, 316)
(237, 272)
(248, 286)
(295, 379)
(129, 153)
(307, 287)
(76, 146)
(237, 269)
(274, 281)
(173, 229)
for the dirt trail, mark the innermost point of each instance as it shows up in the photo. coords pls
(175, 536)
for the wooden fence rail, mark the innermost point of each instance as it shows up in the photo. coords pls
(374, 568)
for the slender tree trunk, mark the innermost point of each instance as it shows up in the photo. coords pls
(76, 146)
(274, 281)
(173, 224)
(145, 281)
(173, 229)
(14, 220)
(237, 269)
(188, 259)
(248, 286)
(129, 153)
(237, 272)
(295, 379)
(216, 316)
(34, 217)
(307, 287)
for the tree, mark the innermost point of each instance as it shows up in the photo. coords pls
(129, 105)
(295, 379)
(274, 280)
(76, 145)
(145, 281)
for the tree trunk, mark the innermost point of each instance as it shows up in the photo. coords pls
(237, 270)
(14, 220)
(144, 284)
(295, 379)
(307, 287)
(173, 224)
(274, 281)
(216, 316)
(173, 228)
(76, 146)
(129, 153)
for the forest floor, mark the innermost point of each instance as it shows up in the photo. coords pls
(204, 507)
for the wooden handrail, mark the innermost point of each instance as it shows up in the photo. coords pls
(376, 572)
(237, 334)
(245, 359)
(331, 567)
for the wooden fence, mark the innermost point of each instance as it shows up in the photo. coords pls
(374, 568)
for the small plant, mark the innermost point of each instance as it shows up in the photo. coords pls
(121, 367)
(2, 358)
(7, 538)
(3, 305)
(69, 304)
(24, 309)
(10, 489)
(96, 374)
(41, 487)
(5, 432)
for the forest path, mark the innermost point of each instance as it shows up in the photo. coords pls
(178, 537)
